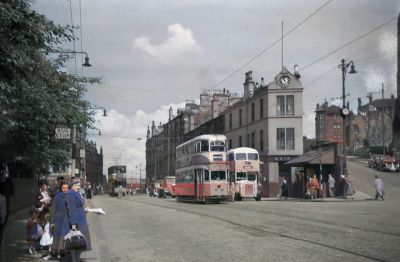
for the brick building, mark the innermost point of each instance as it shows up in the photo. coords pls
(328, 123)
(94, 164)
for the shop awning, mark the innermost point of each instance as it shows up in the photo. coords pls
(323, 156)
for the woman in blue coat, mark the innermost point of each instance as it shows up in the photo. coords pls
(77, 216)
(58, 219)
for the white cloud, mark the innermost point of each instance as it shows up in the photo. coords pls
(179, 43)
(309, 124)
(123, 137)
(388, 43)
(373, 80)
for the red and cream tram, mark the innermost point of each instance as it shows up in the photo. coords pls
(201, 169)
(244, 169)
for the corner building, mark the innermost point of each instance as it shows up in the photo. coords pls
(269, 118)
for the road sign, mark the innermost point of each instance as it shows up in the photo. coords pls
(63, 133)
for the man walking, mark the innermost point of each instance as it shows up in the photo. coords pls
(285, 189)
(379, 188)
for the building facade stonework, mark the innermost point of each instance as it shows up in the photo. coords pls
(269, 118)
(94, 164)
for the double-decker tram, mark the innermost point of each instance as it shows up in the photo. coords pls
(201, 169)
(244, 170)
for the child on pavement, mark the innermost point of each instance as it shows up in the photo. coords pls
(47, 238)
(32, 231)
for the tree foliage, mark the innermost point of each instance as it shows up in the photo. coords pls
(35, 95)
(308, 143)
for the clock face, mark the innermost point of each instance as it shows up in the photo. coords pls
(284, 81)
(345, 111)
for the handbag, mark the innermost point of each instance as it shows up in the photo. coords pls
(75, 240)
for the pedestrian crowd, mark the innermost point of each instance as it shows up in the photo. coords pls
(342, 187)
(57, 214)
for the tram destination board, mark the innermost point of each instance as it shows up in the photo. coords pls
(120, 177)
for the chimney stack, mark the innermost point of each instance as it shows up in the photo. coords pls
(170, 112)
(359, 104)
(153, 128)
(248, 85)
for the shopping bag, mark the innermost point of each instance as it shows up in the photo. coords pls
(75, 240)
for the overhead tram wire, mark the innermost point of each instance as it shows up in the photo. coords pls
(73, 35)
(80, 30)
(271, 45)
(321, 76)
(349, 43)
(365, 61)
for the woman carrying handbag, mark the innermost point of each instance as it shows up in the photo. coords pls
(77, 220)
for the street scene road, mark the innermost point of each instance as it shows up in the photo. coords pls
(141, 228)
(206, 130)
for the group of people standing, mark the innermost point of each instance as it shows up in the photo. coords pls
(53, 217)
(343, 188)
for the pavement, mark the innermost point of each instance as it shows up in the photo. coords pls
(14, 246)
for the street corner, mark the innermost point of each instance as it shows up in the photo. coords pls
(14, 246)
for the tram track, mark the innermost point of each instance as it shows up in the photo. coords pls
(316, 221)
(258, 230)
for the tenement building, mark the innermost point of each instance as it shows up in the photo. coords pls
(94, 164)
(269, 118)
(378, 116)
(328, 123)
(188, 122)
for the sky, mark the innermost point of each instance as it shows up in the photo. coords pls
(154, 54)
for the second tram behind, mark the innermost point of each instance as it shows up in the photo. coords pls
(244, 170)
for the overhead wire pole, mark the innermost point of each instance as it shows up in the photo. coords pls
(73, 34)
(383, 122)
(282, 45)
(271, 45)
(80, 29)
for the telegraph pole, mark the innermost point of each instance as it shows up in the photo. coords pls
(383, 122)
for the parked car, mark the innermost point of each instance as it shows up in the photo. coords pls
(374, 160)
(388, 167)
(386, 163)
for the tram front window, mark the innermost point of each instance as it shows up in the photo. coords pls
(253, 156)
(240, 176)
(217, 146)
(204, 146)
(252, 176)
(206, 175)
(218, 175)
(241, 156)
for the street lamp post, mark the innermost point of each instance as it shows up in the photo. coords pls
(85, 64)
(140, 178)
(345, 111)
